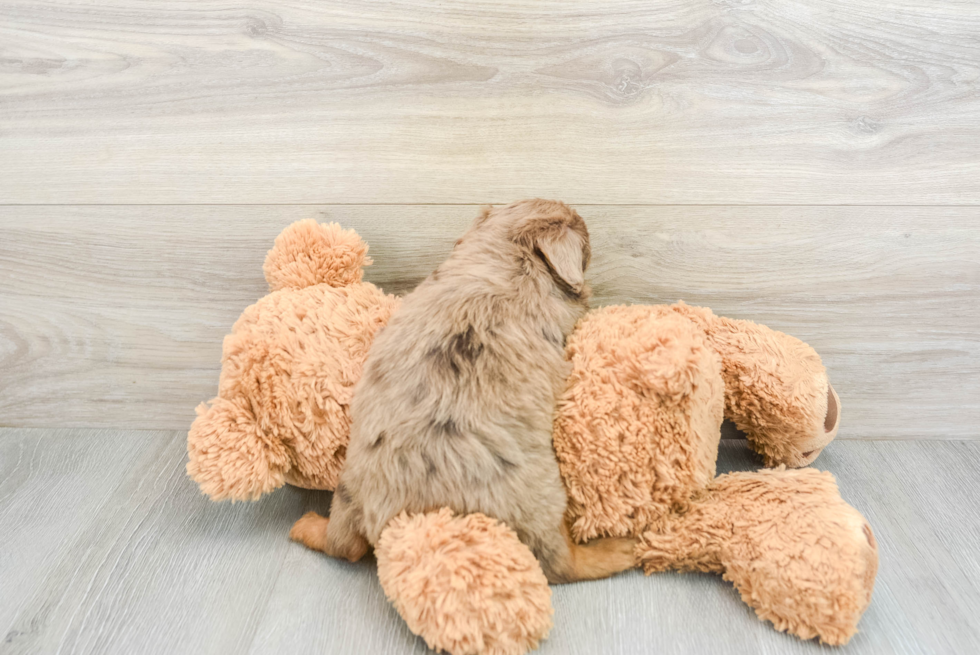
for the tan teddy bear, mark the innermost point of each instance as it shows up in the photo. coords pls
(288, 370)
(636, 434)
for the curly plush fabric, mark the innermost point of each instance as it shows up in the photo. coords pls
(636, 436)
(638, 426)
(465, 584)
(776, 387)
(230, 457)
(797, 553)
(308, 253)
(288, 371)
(637, 429)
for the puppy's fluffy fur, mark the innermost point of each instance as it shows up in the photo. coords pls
(457, 399)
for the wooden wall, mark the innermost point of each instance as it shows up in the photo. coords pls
(814, 166)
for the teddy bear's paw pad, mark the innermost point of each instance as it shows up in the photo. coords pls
(831, 421)
(465, 584)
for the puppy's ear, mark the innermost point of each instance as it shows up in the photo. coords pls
(564, 253)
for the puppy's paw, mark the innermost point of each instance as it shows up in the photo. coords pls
(623, 550)
(311, 531)
(605, 556)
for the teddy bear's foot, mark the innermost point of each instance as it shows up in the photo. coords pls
(465, 584)
(799, 555)
(831, 424)
(776, 388)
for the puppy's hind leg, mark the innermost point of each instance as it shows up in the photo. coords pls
(600, 558)
(336, 536)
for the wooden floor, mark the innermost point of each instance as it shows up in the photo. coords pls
(813, 165)
(108, 548)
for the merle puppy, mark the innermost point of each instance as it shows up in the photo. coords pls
(457, 399)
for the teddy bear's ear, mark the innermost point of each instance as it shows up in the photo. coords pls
(308, 253)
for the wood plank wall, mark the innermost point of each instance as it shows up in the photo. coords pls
(814, 166)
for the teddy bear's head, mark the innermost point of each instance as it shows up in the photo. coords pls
(288, 369)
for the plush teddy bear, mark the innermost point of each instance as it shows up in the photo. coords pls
(636, 435)
(288, 370)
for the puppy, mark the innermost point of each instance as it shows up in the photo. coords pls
(457, 398)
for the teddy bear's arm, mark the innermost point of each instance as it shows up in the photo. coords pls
(229, 456)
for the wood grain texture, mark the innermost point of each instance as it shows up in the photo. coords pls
(114, 316)
(925, 596)
(116, 550)
(111, 550)
(52, 484)
(687, 102)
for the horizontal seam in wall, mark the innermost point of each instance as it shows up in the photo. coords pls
(455, 204)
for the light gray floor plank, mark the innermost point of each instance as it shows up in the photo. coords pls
(114, 316)
(53, 484)
(690, 101)
(108, 548)
(146, 564)
(926, 598)
(322, 605)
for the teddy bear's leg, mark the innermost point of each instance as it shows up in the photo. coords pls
(776, 388)
(796, 552)
(229, 455)
(465, 584)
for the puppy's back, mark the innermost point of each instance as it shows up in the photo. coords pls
(456, 402)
